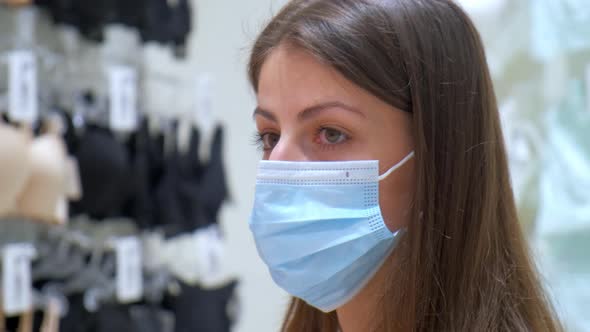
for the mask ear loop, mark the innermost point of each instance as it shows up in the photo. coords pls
(398, 165)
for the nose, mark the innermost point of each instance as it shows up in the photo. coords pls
(287, 149)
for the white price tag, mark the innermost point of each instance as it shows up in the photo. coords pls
(129, 269)
(22, 87)
(210, 253)
(123, 98)
(16, 278)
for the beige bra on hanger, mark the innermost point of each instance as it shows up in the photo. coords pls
(14, 165)
(45, 195)
(16, 3)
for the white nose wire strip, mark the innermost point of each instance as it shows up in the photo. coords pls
(400, 164)
(360, 170)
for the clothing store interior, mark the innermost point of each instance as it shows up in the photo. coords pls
(127, 163)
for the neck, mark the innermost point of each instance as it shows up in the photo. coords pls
(356, 315)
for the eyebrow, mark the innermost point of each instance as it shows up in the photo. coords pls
(310, 112)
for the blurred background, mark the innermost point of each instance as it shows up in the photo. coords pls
(128, 167)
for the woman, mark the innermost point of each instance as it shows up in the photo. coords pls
(383, 202)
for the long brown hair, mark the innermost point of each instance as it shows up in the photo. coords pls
(464, 264)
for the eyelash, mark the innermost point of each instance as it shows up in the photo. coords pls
(258, 138)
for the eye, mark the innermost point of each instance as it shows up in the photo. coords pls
(331, 136)
(267, 141)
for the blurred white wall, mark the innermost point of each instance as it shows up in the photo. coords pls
(220, 46)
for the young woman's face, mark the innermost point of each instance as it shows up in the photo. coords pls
(307, 111)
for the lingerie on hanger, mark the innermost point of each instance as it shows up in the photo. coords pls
(213, 184)
(178, 193)
(14, 165)
(140, 204)
(213, 306)
(45, 195)
(105, 173)
(166, 22)
(163, 21)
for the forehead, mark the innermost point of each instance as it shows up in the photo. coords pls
(292, 76)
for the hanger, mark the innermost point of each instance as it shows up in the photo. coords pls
(89, 108)
(64, 255)
(158, 283)
(95, 296)
(98, 273)
(90, 275)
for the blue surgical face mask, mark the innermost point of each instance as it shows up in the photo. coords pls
(319, 229)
